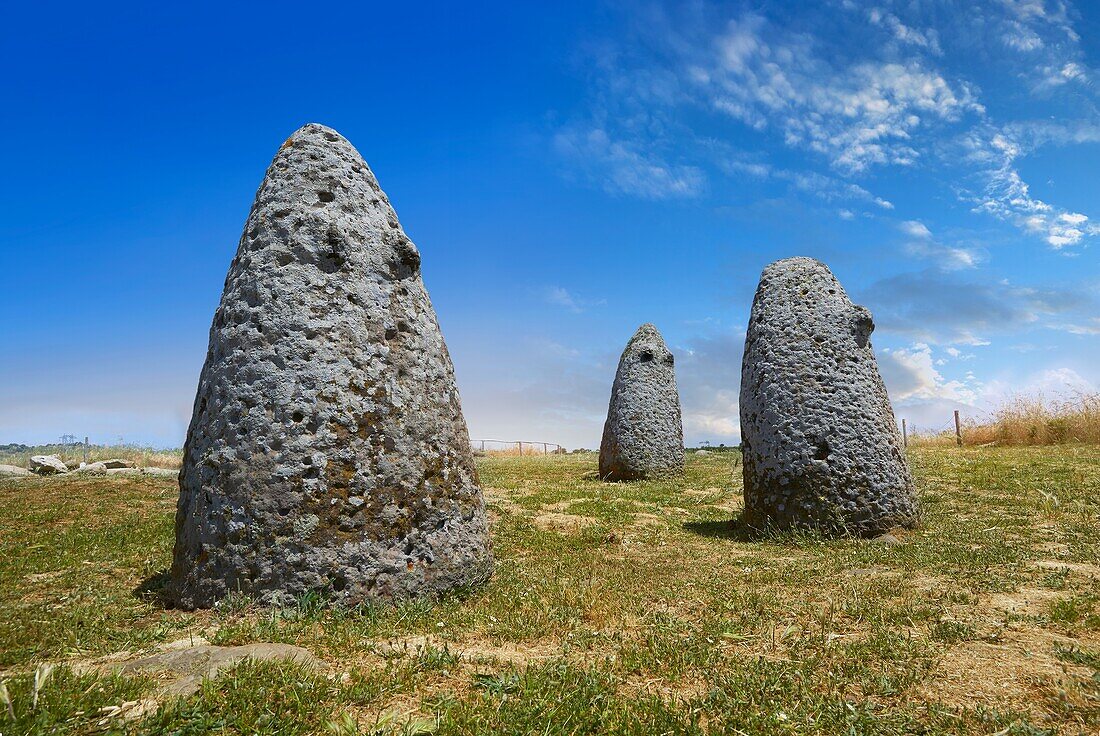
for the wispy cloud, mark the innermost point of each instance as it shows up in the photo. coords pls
(562, 297)
(885, 96)
(856, 115)
(926, 39)
(937, 306)
(622, 169)
(922, 244)
(1008, 197)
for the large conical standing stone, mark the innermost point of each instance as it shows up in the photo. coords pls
(327, 450)
(643, 436)
(821, 447)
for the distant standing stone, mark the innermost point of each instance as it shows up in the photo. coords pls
(643, 436)
(821, 446)
(327, 449)
(48, 465)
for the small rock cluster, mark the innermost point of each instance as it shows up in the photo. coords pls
(47, 465)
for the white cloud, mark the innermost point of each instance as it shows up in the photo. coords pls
(858, 115)
(623, 170)
(1008, 197)
(915, 229)
(945, 257)
(707, 376)
(910, 373)
(1018, 36)
(926, 39)
(562, 297)
(1090, 327)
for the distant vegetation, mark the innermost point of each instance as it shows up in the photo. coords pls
(73, 455)
(1031, 420)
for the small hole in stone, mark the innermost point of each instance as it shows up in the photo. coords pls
(307, 461)
(339, 583)
(324, 196)
(646, 356)
(297, 416)
(823, 450)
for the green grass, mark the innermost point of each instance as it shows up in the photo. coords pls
(615, 608)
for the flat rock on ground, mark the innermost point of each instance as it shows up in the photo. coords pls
(48, 465)
(185, 667)
(13, 471)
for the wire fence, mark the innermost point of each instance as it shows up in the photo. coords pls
(517, 447)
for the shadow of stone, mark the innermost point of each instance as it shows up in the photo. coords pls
(734, 530)
(154, 589)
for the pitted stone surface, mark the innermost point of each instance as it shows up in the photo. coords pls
(327, 449)
(643, 436)
(821, 446)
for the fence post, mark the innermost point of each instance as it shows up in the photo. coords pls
(85, 450)
(904, 435)
(520, 448)
(958, 430)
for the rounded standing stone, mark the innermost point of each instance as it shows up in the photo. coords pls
(327, 450)
(820, 442)
(643, 435)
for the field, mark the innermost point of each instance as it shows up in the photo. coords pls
(615, 608)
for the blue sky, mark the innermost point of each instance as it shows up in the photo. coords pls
(568, 171)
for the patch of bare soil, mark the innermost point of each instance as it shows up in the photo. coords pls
(469, 651)
(552, 521)
(669, 691)
(1019, 674)
(1081, 568)
(1025, 601)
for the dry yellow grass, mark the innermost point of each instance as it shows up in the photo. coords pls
(1029, 420)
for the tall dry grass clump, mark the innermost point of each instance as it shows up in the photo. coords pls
(1036, 420)
(1027, 420)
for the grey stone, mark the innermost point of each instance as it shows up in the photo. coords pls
(821, 447)
(48, 465)
(643, 436)
(703, 453)
(326, 380)
(161, 472)
(13, 471)
(191, 665)
(116, 464)
(96, 468)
